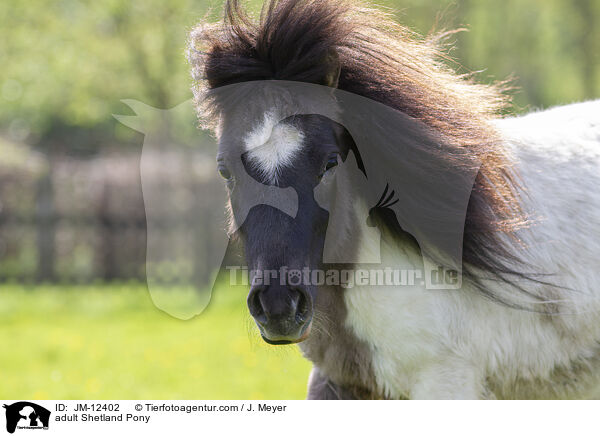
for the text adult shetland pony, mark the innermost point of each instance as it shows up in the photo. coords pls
(526, 321)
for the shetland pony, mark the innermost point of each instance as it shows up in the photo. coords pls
(524, 324)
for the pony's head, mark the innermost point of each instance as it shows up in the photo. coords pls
(335, 44)
(281, 250)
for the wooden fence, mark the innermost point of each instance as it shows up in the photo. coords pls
(73, 220)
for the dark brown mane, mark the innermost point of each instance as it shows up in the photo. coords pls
(309, 40)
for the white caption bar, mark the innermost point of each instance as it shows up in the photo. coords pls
(297, 417)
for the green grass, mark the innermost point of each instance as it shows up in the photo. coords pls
(111, 342)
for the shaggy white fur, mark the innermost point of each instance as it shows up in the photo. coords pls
(457, 344)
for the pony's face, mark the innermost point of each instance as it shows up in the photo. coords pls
(298, 153)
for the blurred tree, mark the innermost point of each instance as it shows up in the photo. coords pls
(67, 64)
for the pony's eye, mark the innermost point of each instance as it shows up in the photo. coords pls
(332, 162)
(224, 172)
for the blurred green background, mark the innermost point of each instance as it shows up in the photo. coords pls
(75, 319)
(110, 342)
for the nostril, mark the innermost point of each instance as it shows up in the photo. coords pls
(302, 304)
(255, 306)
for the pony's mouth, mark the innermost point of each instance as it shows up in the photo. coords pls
(305, 332)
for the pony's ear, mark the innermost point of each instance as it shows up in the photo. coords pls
(333, 68)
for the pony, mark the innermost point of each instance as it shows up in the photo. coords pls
(524, 322)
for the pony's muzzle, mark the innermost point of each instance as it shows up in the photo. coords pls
(283, 313)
